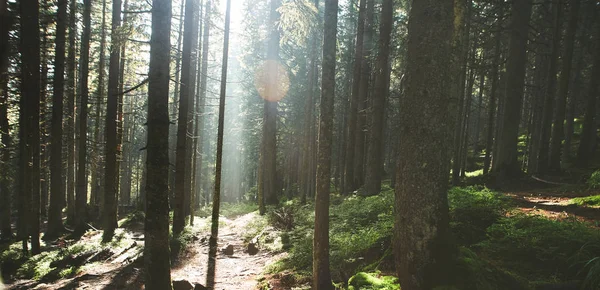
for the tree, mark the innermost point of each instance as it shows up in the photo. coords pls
(29, 115)
(156, 230)
(111, 184)
(321, 272)
(185, 91)
(216, 197)
(268, 146)
(82, 184)
(55, 225)
(374, 170)
(563, 89)
(348, 185)
(421, 234)
(5, 141)
(71, 65)
(489, 140)
(544, 151)
(588, 133)
(506, 164)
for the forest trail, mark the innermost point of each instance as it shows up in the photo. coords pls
(555, 203)
(237, 271)
(123, 268)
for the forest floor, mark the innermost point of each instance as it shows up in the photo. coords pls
(86, 264)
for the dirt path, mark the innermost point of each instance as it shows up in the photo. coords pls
(555, 204)
(124, 269)
(238, 271)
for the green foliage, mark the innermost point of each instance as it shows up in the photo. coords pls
(133, 219)
(360, 234)
(594, 181)
(534, 246)
(472, 210)
(180, 243)
(368, 281)
(593, 200)
(231, 210)
(228, 209)
(588, 260)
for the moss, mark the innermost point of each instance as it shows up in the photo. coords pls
(593, 200)
(373, 281)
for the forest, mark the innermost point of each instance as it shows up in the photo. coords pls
(300, 144)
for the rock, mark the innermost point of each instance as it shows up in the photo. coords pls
(200, 287)
(252, 249)
(228, 250)
(182, 285)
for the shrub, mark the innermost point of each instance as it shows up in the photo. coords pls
(534, 246)
(594, 181)
(472, 210)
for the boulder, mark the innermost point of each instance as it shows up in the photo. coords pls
(227, 250)
(252, 249)
(182, 285)
(200, 287)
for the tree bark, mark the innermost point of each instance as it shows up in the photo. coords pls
(563, 89)
(29, 121)
(71, 65)
(506, 164)
(321, 272)
(543, 157)
(182, 122)
(428, 112)
(382, 80)
(55, 225)
(5, 196)
(216, 196)
(82, 182)
(156, 231)
(489, 140)
(588, 132)
(349, 185)
(111, 173)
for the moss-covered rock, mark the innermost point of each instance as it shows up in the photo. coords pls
(365, 281)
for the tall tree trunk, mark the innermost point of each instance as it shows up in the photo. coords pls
(421, 244)
(182, 122)
(123, 197)
(349, 185)
(111, 182)
(269, 137)
(55, 225)
(216, 196)
(563, 89)
(321, 272)
(365, 83)
(71, 80)
(489, 140)
(202, 85)
(382, 80)
(174, 107)
(5, 196)
(29, 126)
(191, 112)
(97, 178)
(461, 48)
(506, 164)
(544, 154)
(539, 79)
(588, 132)
(82, 182)
(156, 231)
(42, 153)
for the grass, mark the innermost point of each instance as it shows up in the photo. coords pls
(593, 200)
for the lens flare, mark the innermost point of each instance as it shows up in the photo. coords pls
(272, 81)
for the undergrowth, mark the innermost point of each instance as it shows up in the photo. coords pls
(498, 249)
